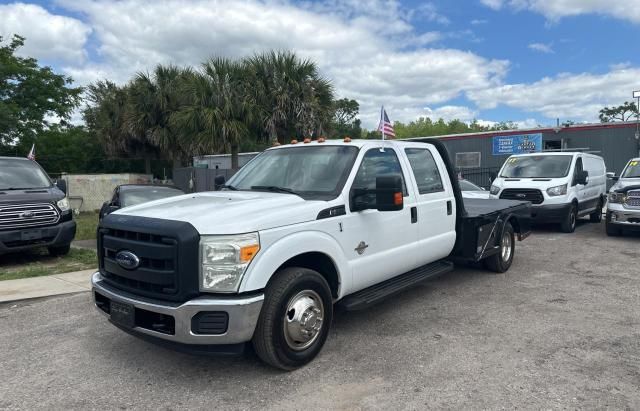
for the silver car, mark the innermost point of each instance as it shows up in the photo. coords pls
(623, 207)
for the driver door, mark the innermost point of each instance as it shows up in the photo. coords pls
(379, 244)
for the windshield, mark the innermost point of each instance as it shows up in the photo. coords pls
(537, 167)
(468, 186)
(21, 174)
(632, 170)
(313, 172)
(141, 195)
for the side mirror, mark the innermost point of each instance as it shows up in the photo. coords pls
(582, 178)
(218, 182)
(62, 185)
(612, 176)
(389, 195)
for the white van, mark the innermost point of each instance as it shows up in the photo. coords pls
(561, 186)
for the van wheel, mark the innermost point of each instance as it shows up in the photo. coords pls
(60, 250)
(596, 216)
(295, 318)
(568, 225)
(612, 230)
(501, 261)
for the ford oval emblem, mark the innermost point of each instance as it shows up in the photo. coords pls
(521, 195)
(127, 260)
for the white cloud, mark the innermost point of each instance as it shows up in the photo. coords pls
(477, 22)
(449, 113)
(366, 60)
(568, 96)
(48, 36)
(542, 48)
(557, 9)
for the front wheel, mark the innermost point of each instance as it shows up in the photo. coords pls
(612, 230)
(568, 225)
(501, 261)
(59, 250)
(295, 318)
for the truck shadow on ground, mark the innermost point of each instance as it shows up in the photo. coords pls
(137, 354)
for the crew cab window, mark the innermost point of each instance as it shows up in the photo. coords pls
(425, 170)
(378, 163)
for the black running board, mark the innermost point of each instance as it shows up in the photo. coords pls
(376, 293)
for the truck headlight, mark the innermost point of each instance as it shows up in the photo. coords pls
(494, 190)
(63, 204)
(224, 259)
(557, 190)
(616, 197)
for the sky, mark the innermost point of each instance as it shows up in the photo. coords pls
(527, 61)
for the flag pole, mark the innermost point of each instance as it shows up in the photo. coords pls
(382, 128)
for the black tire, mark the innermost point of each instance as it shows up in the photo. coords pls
(272, 341)
(59, 250)
(501, 261)
(613, 231)
(568, 225)
(596, 216)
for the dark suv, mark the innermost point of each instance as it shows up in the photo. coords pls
(33, 211)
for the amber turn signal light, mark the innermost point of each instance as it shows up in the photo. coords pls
(397, 199)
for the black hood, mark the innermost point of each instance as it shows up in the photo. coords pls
(627, 188)
(34, 195)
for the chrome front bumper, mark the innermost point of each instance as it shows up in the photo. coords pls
(619, 214)
(243, 315)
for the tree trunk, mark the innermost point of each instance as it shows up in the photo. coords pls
(147, 166)
(234, 156)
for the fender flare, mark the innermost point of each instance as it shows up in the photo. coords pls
(267, 261)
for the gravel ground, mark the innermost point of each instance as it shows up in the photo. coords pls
(560, 330)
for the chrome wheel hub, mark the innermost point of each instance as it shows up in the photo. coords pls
(506, 247)
(303, 319)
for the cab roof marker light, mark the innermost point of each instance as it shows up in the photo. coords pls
(347, 140)
(294, 141)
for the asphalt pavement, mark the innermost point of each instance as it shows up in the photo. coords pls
(560, 330)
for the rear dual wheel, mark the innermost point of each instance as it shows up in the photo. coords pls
(501, 261)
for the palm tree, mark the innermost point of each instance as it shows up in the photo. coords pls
(105, 118)
(217, 111)
(152, 100)
(292, 98)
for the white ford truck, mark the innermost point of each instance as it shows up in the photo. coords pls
(298, 230)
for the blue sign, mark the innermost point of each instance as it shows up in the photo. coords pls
(518, 144)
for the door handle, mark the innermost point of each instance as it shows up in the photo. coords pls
(449, 208)
(414, 215)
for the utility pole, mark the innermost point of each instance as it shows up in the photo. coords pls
(636, 95)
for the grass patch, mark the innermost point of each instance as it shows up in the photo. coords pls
(86, 224)
(38, 262)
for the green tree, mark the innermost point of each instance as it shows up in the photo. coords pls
(292, 99)
(345, 120)
(105, 118)
(30, 94)
(152, 101)
(623, 112)
(217, 110)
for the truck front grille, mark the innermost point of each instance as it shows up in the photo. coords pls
(165, 251)
(14, 216)
(523, 194)
(158, 257)
(633, 199)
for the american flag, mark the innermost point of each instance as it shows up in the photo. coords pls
(385, 125)
(32, 153)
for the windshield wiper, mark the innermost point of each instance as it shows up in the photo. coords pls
(15, 188)
(228, 186)
(276, 189)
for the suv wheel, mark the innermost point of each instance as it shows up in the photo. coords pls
(613, 231)
(568, 225)
(295, 318)
(59, 250)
